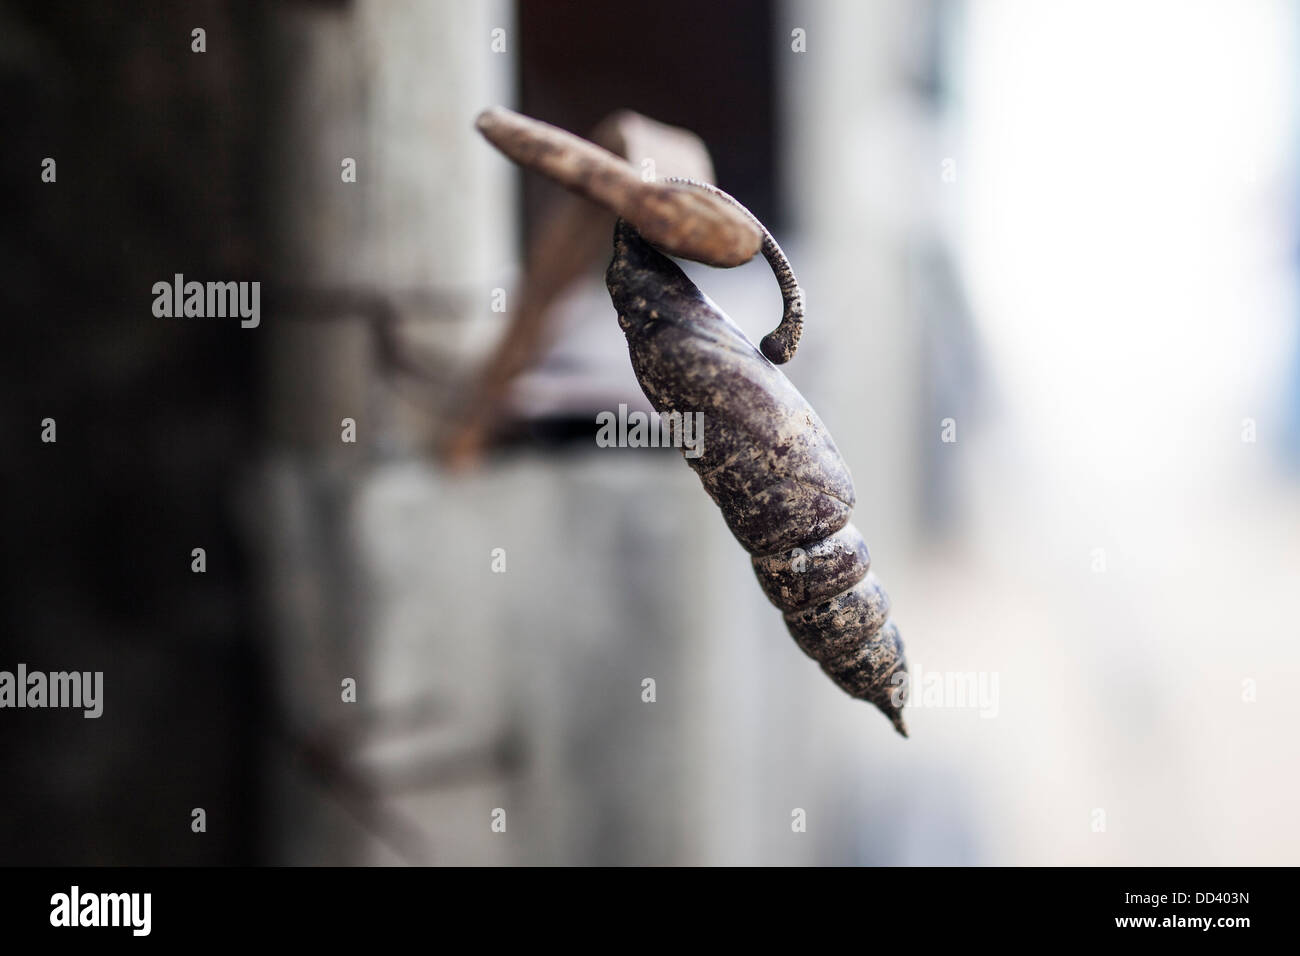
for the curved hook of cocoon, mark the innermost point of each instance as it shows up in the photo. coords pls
(688, 222)
(780, 344)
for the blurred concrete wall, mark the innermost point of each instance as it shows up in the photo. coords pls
(412, 248)
(617, 566)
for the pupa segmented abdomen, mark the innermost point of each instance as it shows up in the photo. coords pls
(769, 464)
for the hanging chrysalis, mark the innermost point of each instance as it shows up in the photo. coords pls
(768, 462)
(766, 458)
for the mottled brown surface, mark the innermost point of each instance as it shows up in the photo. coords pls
(770, 465)
(841, 561)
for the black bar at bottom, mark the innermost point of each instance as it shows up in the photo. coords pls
(333, 906)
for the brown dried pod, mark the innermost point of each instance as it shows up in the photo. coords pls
(767, 461)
